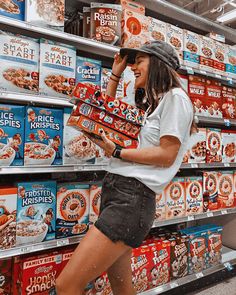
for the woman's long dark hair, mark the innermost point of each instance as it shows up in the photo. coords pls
(161, 79)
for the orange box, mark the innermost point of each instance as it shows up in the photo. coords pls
(226, 189)
(213, 100)
(197, 93)
(228, 106)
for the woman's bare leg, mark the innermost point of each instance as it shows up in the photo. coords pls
(94, 255)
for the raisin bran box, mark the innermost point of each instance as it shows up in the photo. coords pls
(213, 145)
(105, 77)
(6, 276)
(8, 206)
(191, 49)
(88, 72)
(194, 196)
(105, 23)
(230, 62)
(14, 9)
(207, 46)
(36, 212)
(219, 58)
(228, 146)
(210, 191)
(228, 102)
(86, 22)
(12, 135)
(197, 93)
(160, 207)
(175, 38)
(57, 69)
(225, 189)
(19, 71)
(43, 136)
(213, 100)
(95, 201)
(72, 209)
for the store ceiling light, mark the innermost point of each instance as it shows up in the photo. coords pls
(231, 15)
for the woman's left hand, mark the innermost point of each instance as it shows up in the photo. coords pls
(106, 144)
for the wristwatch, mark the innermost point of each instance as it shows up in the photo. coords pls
(117, 152)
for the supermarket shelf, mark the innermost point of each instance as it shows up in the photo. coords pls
(216, 121)
(195, 217)
(50, 169)
(228, 260)
(211, 166)
(26, 249)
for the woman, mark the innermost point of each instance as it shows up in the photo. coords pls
(135, 175)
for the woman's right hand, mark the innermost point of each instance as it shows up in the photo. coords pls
(119, 64)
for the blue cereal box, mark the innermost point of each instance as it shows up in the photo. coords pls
(191, 49)
(230, 63)
(88, 71)
(43, 136)
(36, 211)
(72, 209)
(14, 9)
(11, 135)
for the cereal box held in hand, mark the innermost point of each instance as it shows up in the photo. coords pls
(19, 71)
(36, 212)
(13, 8)
(225, 189)
(11, 135)
(194, 196)
(43, 136)
(6, 276)
(72, 209)
(95, 201)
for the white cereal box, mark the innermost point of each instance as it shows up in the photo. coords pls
(213, 145)
(129, 91)
(228, 146)
(226, 189)
(219, 58)
(19, 69)
(194, 195)
(235, 188)
(72, 209)
(230, 62)
(133, 6)
(210, 191)
(106, 73)
(175, 38)
(175, 198)
(57, 69)
(13, 8)
(44, 13)
(191, 49)
(157, 30)
(160, 207)
(36, 212)
(207, 46)
(8, 205)
(196, 147)
(95, 201)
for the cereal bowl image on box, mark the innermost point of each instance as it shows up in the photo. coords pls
(7, 154)
(39, 153)
(28, 232)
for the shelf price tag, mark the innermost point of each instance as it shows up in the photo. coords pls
(230, 80)
(190, 218)
(227, 164)
(229, 266)
(210, 214)
(174, 285)
(218, 76)
(25, 250)
(194, 165)
(78, 168)
(199, 275)
(223, 212)
(227, 122)
(203, 72)
(63, 242)
(190, 70)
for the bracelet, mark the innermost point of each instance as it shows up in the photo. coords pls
(117, 81)
(115, 75)
(117, 152)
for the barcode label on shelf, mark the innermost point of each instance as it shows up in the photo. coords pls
(210, 214)
(223, 212)
(194, 165)
(199, 275)
(78, 168)
(203, 72)
(230, 80)
(218, 76)
(26, 250)
(227, 122)
(92, 167)
(226, 164)
(63, 243)
(229, 266)
(174, 285)
(190, 218)
(190, 70)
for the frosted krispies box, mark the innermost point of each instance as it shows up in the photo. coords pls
(57, 69)
(95, 201)
(14, 9)
(11, 135)
(36, 212)
(191, 49)
(228, 146)
(72, 209)
(160, 207)
(213, 145)
(44, 13)
(225, 189)
(43, 136)
(175, 38)
(19, 71)
(210, 191)
(194, 197)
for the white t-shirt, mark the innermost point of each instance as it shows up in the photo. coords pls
(173, 116)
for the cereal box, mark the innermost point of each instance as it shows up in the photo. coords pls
(135, 29)
(44, 13)
(230, 62)
(57, 69)
(19, 70)
(175, 198)
(72, 209)
(43, 136)
(106, 73)
(95, 201)
(219, 58)
(160, 207)
(86, 21)
(8, 201)
(13, 8)
(225, 189)
(213, 145)
(194, 196)
(101, 286)
(36, 212)
(11, 135)
(197, 93)
(157, 30)
(6, 276)
(129, 89)
(213, 100)
(228, 103)
(175, 38)
(88, 72)
(228, 146)
(133, 6)
(191, 49)
(235, 188)
(210, 191)
(207, 46)
(105, 23)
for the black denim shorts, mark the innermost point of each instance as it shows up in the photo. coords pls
(127, 210)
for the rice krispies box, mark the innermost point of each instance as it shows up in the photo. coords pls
(157, 30)
(95, 201)
(191, 49)
(207, 46)
(213, 100)
(175, 198)
(175, 38)
(105, 77)
(213, 145)
(228, 146)
(194, 196)
(57, 69)
(36, 212)
(6, 276)
(12, 135)
(228, 102)
(219, 58)
(19, 70)
(230, 62)
(14, 9)
(43, 136)
(160, 207)
(225, 189)
(210, 191)
(197, 93)
(72, 209)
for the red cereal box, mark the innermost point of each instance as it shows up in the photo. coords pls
(197, 93)
(213, 145)
(213, 99)
(6, 276)
(101, 285)
(225, 189)
(194, 197)
(228, 103)
(210, 191)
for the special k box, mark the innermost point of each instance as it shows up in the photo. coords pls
(228, 146)
(197, 93)
(95, 201)
(160, 207)
(194, 196)
(175, 198)
(207, 46)
(210, 191)
(175, 38)
(191, 49)
(225, 189)
(219, 58)
(213, 99)
(6, 276)
(157, 30)
(213, 145)
(228, 102)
